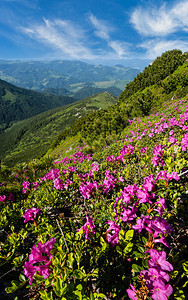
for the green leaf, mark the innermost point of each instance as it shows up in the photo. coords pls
(70, 260)
(129, 235)
(145, 263)
(46, 296)
(179, 295)
(15, 286)
(128, 248)
(79, 274)
(136, 268)
(22, 277)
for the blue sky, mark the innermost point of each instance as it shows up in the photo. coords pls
(96, 31)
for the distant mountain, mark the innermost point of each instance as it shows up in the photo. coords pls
(30, 138)
(39, 75)
(17, 103)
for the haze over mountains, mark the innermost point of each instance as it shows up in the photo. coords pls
(73, 78)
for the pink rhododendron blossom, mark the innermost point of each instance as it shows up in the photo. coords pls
(31, 214)
(161, 291)
(184, 142)
(149, 183)
(109, 182)
(88, 228)
(58, 184)
(95, 167)
(120, 179)
(143, 150)
(26, 185)
(87, 189)
(167, 176)
(113, 233)
(158, 259)
(38, 262)
(160, 206)
(2, 198)
(68, 182)
(53, 174)
(132, 293)
(129, 214)
(143, 196)
(35, 185)
(172, 140)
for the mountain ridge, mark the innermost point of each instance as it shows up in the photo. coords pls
(38, 75)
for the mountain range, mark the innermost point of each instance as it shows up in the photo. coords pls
(66, 77)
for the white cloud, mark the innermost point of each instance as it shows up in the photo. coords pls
(72, 40)
(120, 48)
(61, 35)
(153, 21)
(103, 30)
(156, 47)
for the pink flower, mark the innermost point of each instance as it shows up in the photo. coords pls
(35, 185)
(2, 198)
(25, 185)
(132, 293)
(31, 214)
(88, 228)
(58, 184)
(143, 150)
(113, 233)
(161, 291)
(149, 183)
(158, 259)
(87, 189)
(36, 257)
(53, 174)
(129, 214)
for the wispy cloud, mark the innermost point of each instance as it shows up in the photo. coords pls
(156, 47)
(73, 40)
(154, 21)
(61, 35)
(103, 30)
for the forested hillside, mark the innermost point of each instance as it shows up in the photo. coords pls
(31, 138)
(18, 104)
(104, 213)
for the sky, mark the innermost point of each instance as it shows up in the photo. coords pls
(94, 31)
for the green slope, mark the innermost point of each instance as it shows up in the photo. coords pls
(31, 138)
(142, 96)
(17, 103)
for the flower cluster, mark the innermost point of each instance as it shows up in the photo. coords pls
(40, 260)
(156, 279)
(31, 214)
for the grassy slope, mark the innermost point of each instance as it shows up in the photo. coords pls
(30, 138)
